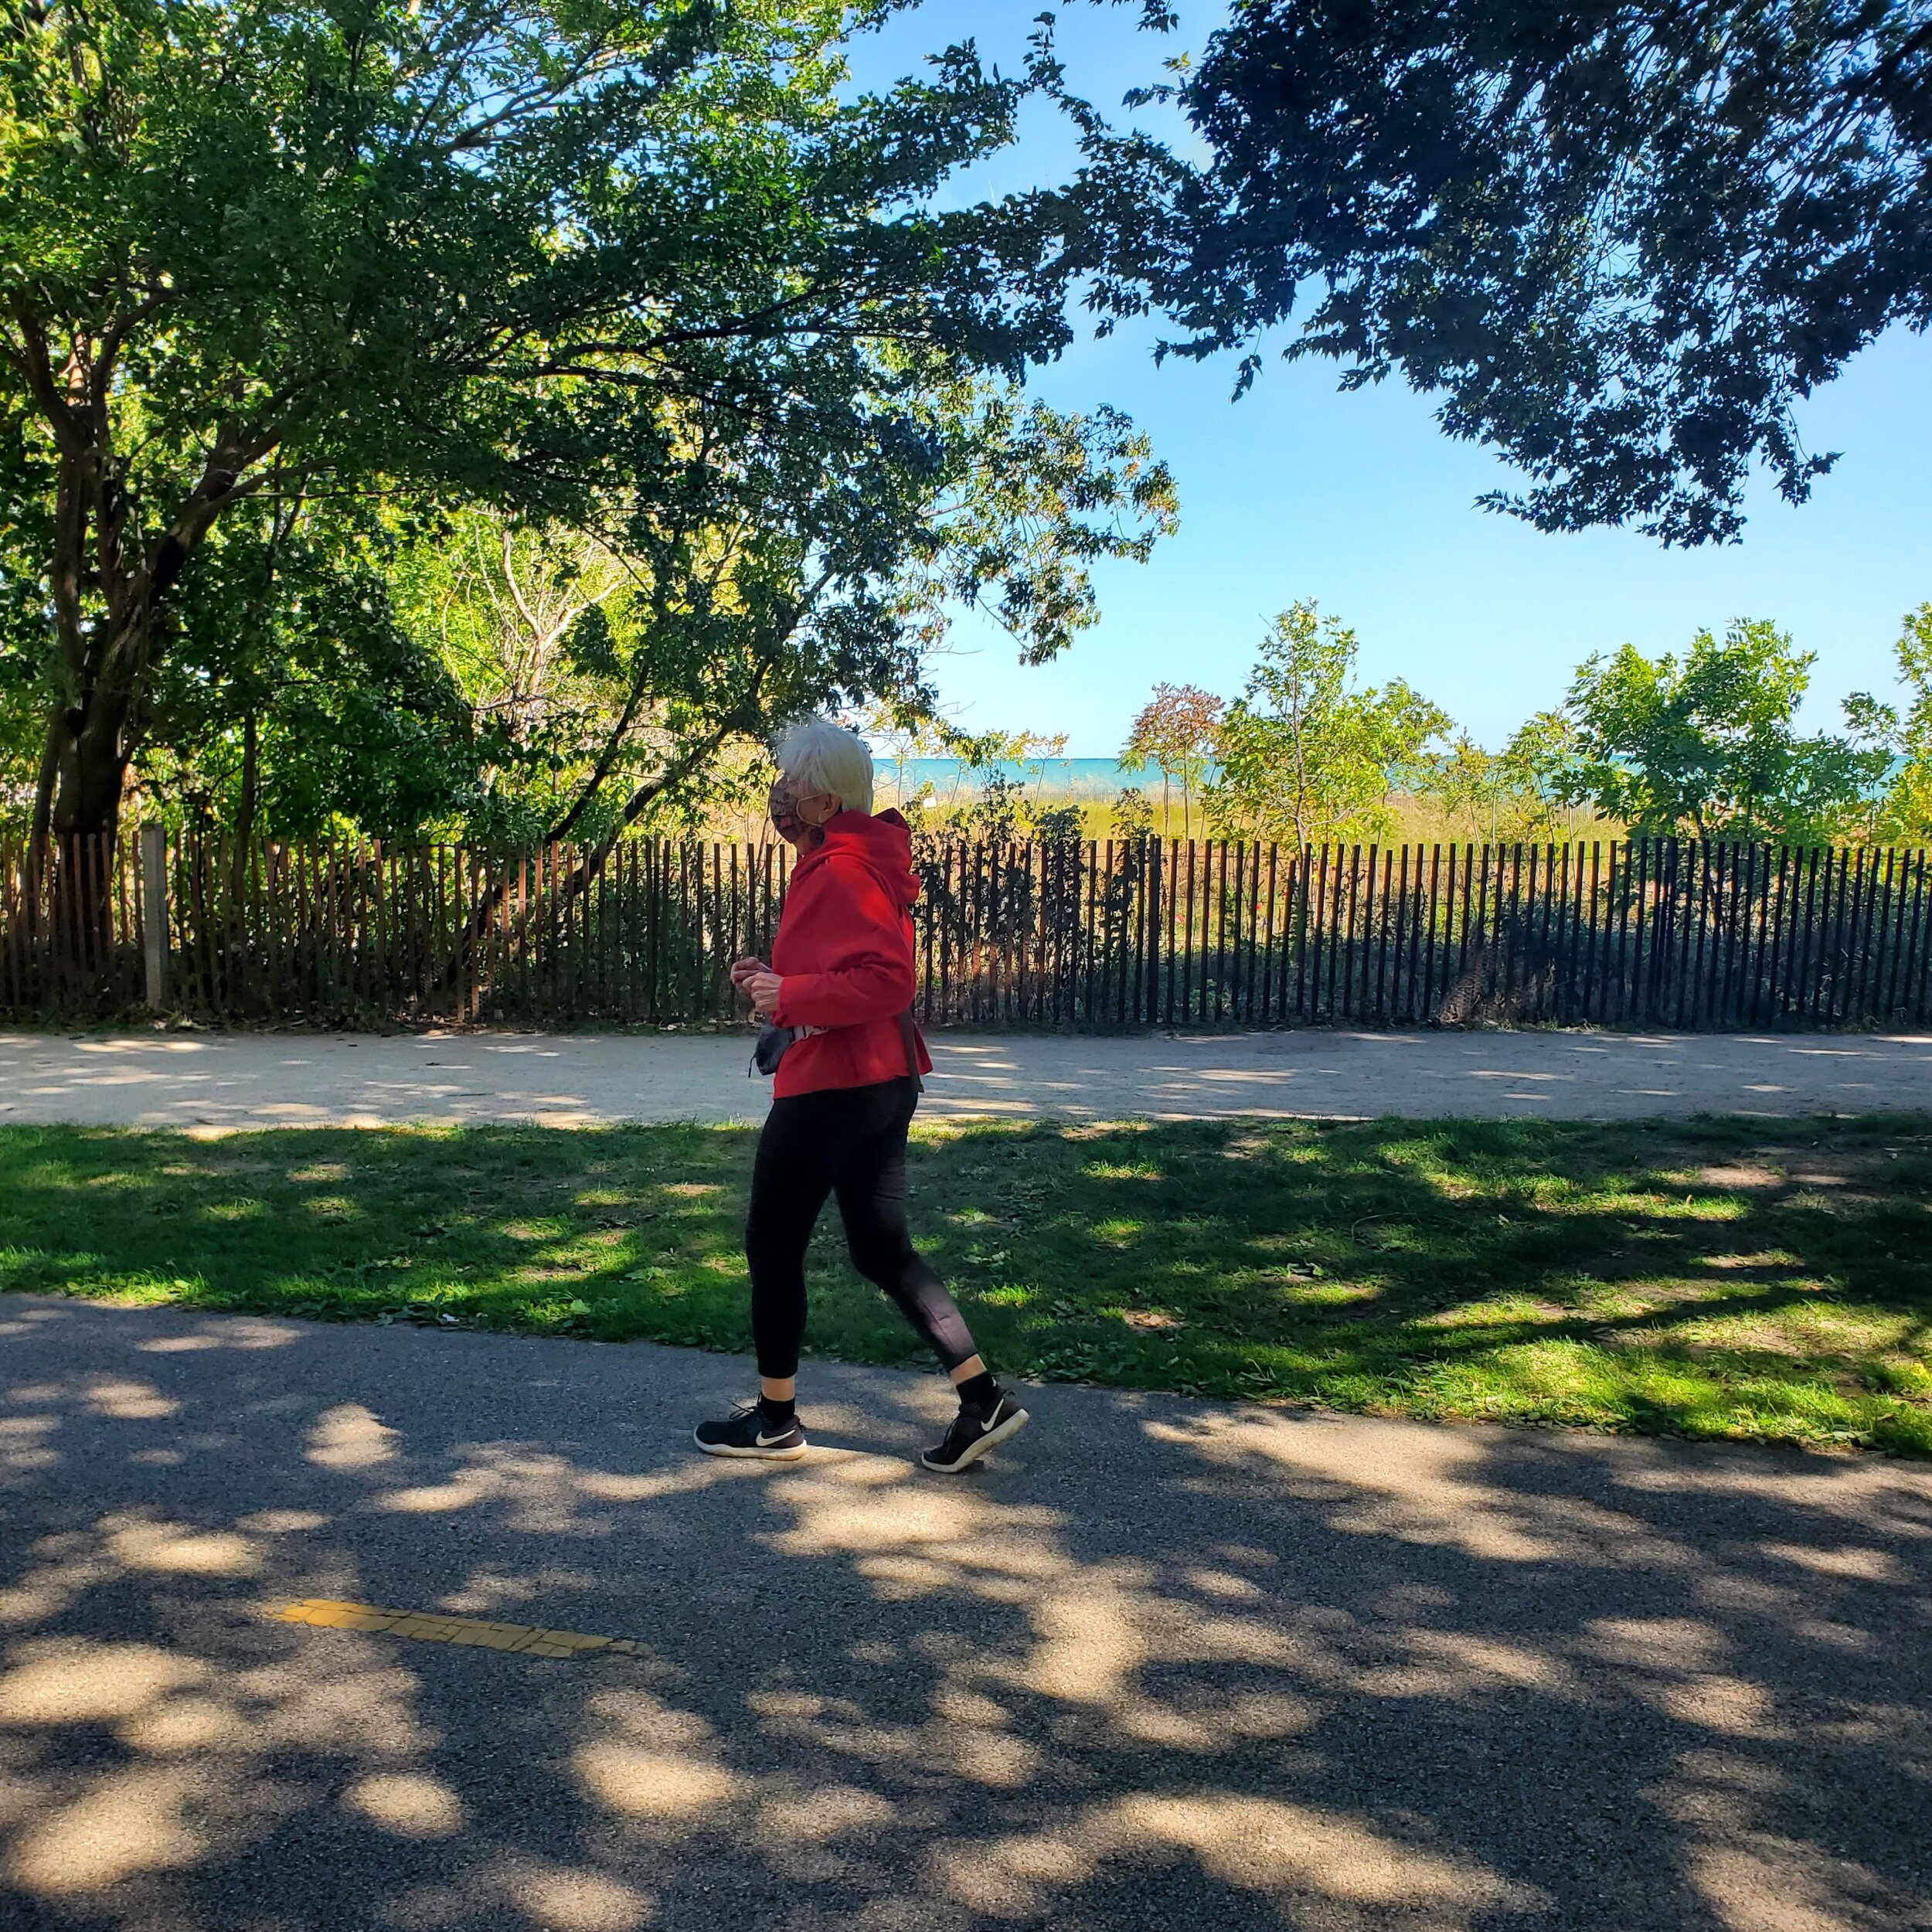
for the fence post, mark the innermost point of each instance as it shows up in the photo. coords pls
(154, 912)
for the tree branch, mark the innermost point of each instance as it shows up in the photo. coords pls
(34, 362)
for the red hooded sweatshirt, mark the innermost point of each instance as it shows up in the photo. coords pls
(845, 953)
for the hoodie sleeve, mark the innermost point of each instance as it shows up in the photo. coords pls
(874, 979)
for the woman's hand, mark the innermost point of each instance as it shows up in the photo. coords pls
(741, 970)
(760, 986)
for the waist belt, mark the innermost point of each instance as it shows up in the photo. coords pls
(772, 1042)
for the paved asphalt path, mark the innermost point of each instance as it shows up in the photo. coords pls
(199, 1080)
(1166, 1665)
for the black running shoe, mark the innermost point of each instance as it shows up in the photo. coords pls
(974, 1432)
(749, 1432)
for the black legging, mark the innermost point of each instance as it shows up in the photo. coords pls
(850, 1141)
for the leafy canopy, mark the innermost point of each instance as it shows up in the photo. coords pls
(1620, 243)
(629, 266)
(610, 679)
(290, 696)
(1905, 814)
(1705, 746)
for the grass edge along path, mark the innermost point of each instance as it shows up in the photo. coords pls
(1716, 1278)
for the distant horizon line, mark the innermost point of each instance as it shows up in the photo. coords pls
(1055, 777)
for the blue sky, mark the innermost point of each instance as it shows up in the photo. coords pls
(1361, 502)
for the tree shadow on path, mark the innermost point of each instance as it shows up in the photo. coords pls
(1168, 1664)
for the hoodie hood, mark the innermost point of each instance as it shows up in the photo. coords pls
(882, 842)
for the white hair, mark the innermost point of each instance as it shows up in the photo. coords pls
(817, 755)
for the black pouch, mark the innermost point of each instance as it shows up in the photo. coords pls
(769, 1049)
(909, 1033)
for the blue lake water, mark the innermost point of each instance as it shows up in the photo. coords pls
(1055, 778)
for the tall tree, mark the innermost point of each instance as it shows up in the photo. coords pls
(543, 254)
(1621, 243)
(1308, 754)
(1175, 731)
(1706, 745)
(1905, 812)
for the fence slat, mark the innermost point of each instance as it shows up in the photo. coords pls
(1919, 953)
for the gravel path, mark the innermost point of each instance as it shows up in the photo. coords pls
(159, 1079)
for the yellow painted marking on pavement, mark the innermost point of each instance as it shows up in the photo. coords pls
(434, 1626)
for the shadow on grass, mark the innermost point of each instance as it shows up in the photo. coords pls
(1727, 1278)
(1170, 1665)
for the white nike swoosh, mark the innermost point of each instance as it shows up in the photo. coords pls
(766, 1441)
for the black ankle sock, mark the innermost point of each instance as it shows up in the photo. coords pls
(978, 1391)
(773, 1410)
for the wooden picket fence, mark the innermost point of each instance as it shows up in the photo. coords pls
(1073, 935)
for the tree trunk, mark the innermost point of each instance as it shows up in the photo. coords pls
(245, 809)
(90, 767)
(90, 774)
(42, 824)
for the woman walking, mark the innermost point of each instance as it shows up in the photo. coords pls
(841, 978)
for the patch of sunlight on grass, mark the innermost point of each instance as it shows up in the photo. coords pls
(1723, 1207)
(49, 1176)
(588, 1248)
(1122, 1171)
(144, 1287)
(1832, 1206)
(1902, 1376)
(1648, 1204)
(1614, 1301)
(234, 1210)
(1514, 1311)
(1558, 1379)
(1119, 1233)
(1326, 1294)
(1603, 1203)
(1292, 1243)
(334, 1207)
(1567, 1371)
(1539, 1190)
(1812, 1328)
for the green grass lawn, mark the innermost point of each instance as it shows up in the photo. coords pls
(1715, 1278)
